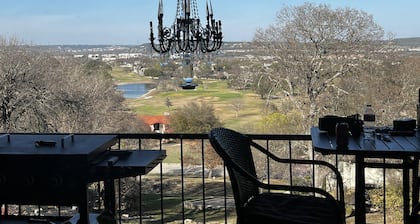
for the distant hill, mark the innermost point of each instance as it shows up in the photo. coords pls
(229, 48)
(408, 42)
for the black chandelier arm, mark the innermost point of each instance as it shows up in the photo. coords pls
(187, 35)
(187, 46)
(210, 45)
(164, 39)
(212, 37)
(163, 47)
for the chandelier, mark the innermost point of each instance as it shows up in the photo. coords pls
(186, 35)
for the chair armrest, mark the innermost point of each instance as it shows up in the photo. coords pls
(289, 188)
(307, 162)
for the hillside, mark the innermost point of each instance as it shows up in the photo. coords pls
(408, 42)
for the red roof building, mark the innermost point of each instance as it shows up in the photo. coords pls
(157, 123)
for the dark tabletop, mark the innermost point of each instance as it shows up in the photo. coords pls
(54, 145)
(396, 146)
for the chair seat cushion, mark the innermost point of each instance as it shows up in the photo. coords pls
(291, 209)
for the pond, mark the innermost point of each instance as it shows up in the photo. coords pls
(134, 90)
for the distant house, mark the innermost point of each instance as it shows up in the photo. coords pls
(93, 56)
(157, 124)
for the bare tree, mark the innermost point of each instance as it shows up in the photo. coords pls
(237, 105)
(40, 93)
(314, 47)
(168, 103)
(396, 90)
(24, 95)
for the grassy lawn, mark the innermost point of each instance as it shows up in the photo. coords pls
(214, 92)
(120, 75)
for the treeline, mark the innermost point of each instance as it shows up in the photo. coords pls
(330, 64)
(42, 93)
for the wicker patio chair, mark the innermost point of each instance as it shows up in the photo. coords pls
(279, 203)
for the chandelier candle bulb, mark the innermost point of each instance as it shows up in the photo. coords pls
(160, 10)
(209, 9)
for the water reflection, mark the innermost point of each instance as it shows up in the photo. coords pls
(134, 90)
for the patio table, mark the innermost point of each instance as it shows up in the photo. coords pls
(404, 147)
(47, 169)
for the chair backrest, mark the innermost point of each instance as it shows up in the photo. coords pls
(234, 148)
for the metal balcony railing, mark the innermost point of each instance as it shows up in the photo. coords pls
(191, 185)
